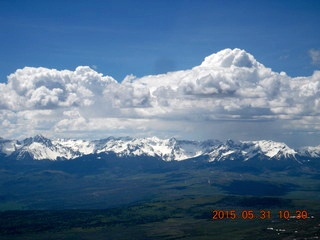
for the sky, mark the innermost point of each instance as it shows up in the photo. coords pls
(78, 69)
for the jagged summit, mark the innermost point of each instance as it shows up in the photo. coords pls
(37, 138)
(230, 57)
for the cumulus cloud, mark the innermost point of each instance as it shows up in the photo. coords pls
(230, 85)
(42, 88)
(315, 56)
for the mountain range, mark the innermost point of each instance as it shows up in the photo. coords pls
(42, 148)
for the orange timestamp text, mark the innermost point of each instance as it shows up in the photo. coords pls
(258, 214)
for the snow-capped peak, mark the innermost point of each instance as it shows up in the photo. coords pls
(274, 149)
(313, 152)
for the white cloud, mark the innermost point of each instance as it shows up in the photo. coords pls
(229, 87)
(42, 88)
(315, 56)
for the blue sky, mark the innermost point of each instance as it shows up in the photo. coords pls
(231, 95)
(147, 37)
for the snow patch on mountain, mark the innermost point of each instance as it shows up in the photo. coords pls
(40, 151)
(82, 147)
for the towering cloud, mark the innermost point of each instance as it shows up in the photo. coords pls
(229, 88)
